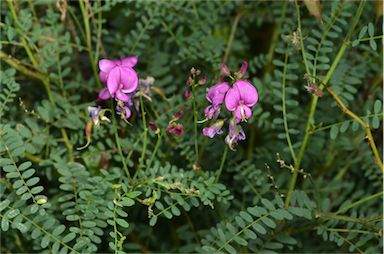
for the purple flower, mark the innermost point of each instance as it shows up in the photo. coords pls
(216, 93)
(119, 76)
(241, 98)
(214, 129)
(212, 112)
(94, 112)
(236, 133)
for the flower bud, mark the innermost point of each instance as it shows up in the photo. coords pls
(202, 80)
(242, 70)
(224, 70)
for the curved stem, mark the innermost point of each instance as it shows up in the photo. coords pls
(285, 108)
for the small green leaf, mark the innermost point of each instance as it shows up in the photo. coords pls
(69, 237)
(122, 223)
(4, 204)
(268, 204)
(257, 227)
(377, 108)
(153, 221)
(334, 131)
(230, 249)
(371, 29)
(362, 32)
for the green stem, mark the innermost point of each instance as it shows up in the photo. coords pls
(233, 32)
(195, 124)
(285, 108)
(372, 38)
(158, 142)
(141, 162)
(88, 37)
(222, 164)
(117, 139)
(359, 202)
(313, 105)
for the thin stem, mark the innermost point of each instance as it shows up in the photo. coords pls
(285, 108)
(195, 123)
(141, 162)
(372, 38)
(99, 29)
(158, 142)
(301, 38)
(233, 32)
(222, 164)
(313, 105)
(359, 202)
(117, 139)
(366, 126)
(88, 37)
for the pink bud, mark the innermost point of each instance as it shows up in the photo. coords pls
(224, 70)
(242, 70)
(187, 94)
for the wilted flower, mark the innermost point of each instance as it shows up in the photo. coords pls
(120, 78)
(241, 98)
(153, 127)
(214, 129)
(236, 133)
(176, 129)
(122, 109)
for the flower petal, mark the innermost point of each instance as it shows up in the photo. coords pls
(232, 99)
(127, 113)
(129, 61)
(103, 76)
(243, 111)
(122, 96)
(248, 92)
(113, 81)
(106, 65)
(129, 79)
(104, 94)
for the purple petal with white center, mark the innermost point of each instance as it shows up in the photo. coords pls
(243, 111)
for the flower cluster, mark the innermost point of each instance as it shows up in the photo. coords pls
(238, 100)
(121, 82)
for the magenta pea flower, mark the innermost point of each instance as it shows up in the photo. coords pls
(241, 98)
(119, 76)
(216, 93)
(214, 129)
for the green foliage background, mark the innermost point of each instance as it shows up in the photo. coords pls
(305, 180)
